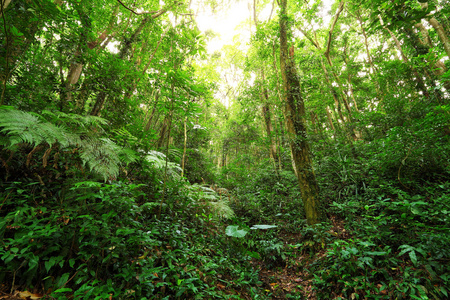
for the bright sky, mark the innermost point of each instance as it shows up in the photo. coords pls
(224, 23)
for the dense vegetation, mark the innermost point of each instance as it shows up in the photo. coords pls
(310, 163)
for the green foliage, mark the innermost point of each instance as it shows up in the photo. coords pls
(159, 161)
(23, 129)
(377, 121)
(265, 196)
(98, 240)
(29, 128)
(233, 231)
(209, 200)
(395, 249)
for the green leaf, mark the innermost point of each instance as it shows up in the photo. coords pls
(415, 210)
(16, 31)
(380, 253)
(50, 263)
(63, 290)
(33, 262)
(63, 279)
(263, 226)
(443, 291)
(235, 232)
(71, 262)
(7, 258)
(412, 255)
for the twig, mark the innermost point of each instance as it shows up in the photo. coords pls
(136, 13)
(76, 272)
(14, 275)
(5, 200)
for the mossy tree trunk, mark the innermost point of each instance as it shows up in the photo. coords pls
(295, 117)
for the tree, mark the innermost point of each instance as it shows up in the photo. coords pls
(295, 114)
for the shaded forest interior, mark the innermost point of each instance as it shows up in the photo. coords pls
(310, 161)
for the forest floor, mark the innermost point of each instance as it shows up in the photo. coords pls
(294, 277)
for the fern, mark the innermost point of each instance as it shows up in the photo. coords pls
(101, 155)
(77, 121)
(23, 127)
(124, 137)
(127, 155)
(158, 160)
(217, 205)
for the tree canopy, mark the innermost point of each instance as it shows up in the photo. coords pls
(306, 159)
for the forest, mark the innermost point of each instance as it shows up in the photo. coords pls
(307, 158)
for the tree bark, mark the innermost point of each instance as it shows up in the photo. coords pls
(330, 119)
(76, 66)
(441, 33)
(183, 160)
(267, 119)
(295, 115)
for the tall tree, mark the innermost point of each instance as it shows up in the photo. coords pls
(295, 118)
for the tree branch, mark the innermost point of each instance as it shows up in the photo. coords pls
(336, 17)
(136, 13)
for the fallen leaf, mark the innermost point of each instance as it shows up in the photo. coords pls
(27, 295)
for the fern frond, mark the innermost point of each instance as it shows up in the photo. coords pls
(124, 134)
(222, 209)
(78, 121)
(127, 156)
(217, 205)
(176, 153)
(24, 127)
(158, 160)
(101, 155)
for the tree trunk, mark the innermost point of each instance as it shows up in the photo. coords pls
(183, 160)
(101, 97)
(267, 120)
(294, 112)
(441, 33)
(162, 132)
(330, 119)
(76, 66)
